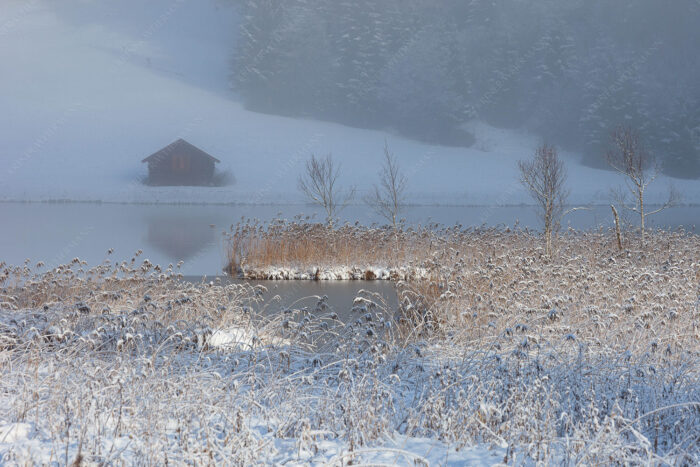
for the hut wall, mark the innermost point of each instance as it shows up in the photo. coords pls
(181, 169)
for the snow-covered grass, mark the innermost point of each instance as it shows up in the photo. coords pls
(589, 358)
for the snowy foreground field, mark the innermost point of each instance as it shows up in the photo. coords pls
(499, 357)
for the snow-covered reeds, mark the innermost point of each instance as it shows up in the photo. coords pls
(312, 249)
(590, 357)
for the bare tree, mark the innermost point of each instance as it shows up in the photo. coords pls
(629, 157)
(544, 177)
(387, 198)
(319, 185)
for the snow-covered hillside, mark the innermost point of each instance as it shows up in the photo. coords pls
(90, 88)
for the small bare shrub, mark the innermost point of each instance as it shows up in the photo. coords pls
(545, 177)
(631, 158)
(388, 197)
(319, 184)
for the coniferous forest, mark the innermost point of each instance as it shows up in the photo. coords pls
(569, 71)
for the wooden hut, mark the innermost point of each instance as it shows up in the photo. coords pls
(181, 163)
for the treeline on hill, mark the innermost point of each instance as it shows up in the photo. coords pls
(568, 70)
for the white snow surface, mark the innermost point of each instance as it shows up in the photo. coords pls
(89, 88)
(24, 441)
(239, 338)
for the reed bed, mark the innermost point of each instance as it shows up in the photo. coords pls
(299, 245)
(588, 357)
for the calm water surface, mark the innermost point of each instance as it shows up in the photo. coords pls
(55, 233)
(281, 295)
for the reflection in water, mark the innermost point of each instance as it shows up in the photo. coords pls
(179, 238)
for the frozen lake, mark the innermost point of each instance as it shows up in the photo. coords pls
(58, 232)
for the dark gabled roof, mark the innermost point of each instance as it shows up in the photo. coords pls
(181, 146)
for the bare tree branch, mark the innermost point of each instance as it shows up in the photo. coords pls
(387, 198)
(318, 184)
(578, 208)
(674, 197)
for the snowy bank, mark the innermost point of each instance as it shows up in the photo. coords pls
(341, 273)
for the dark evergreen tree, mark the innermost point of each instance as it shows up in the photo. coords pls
(568, 70)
